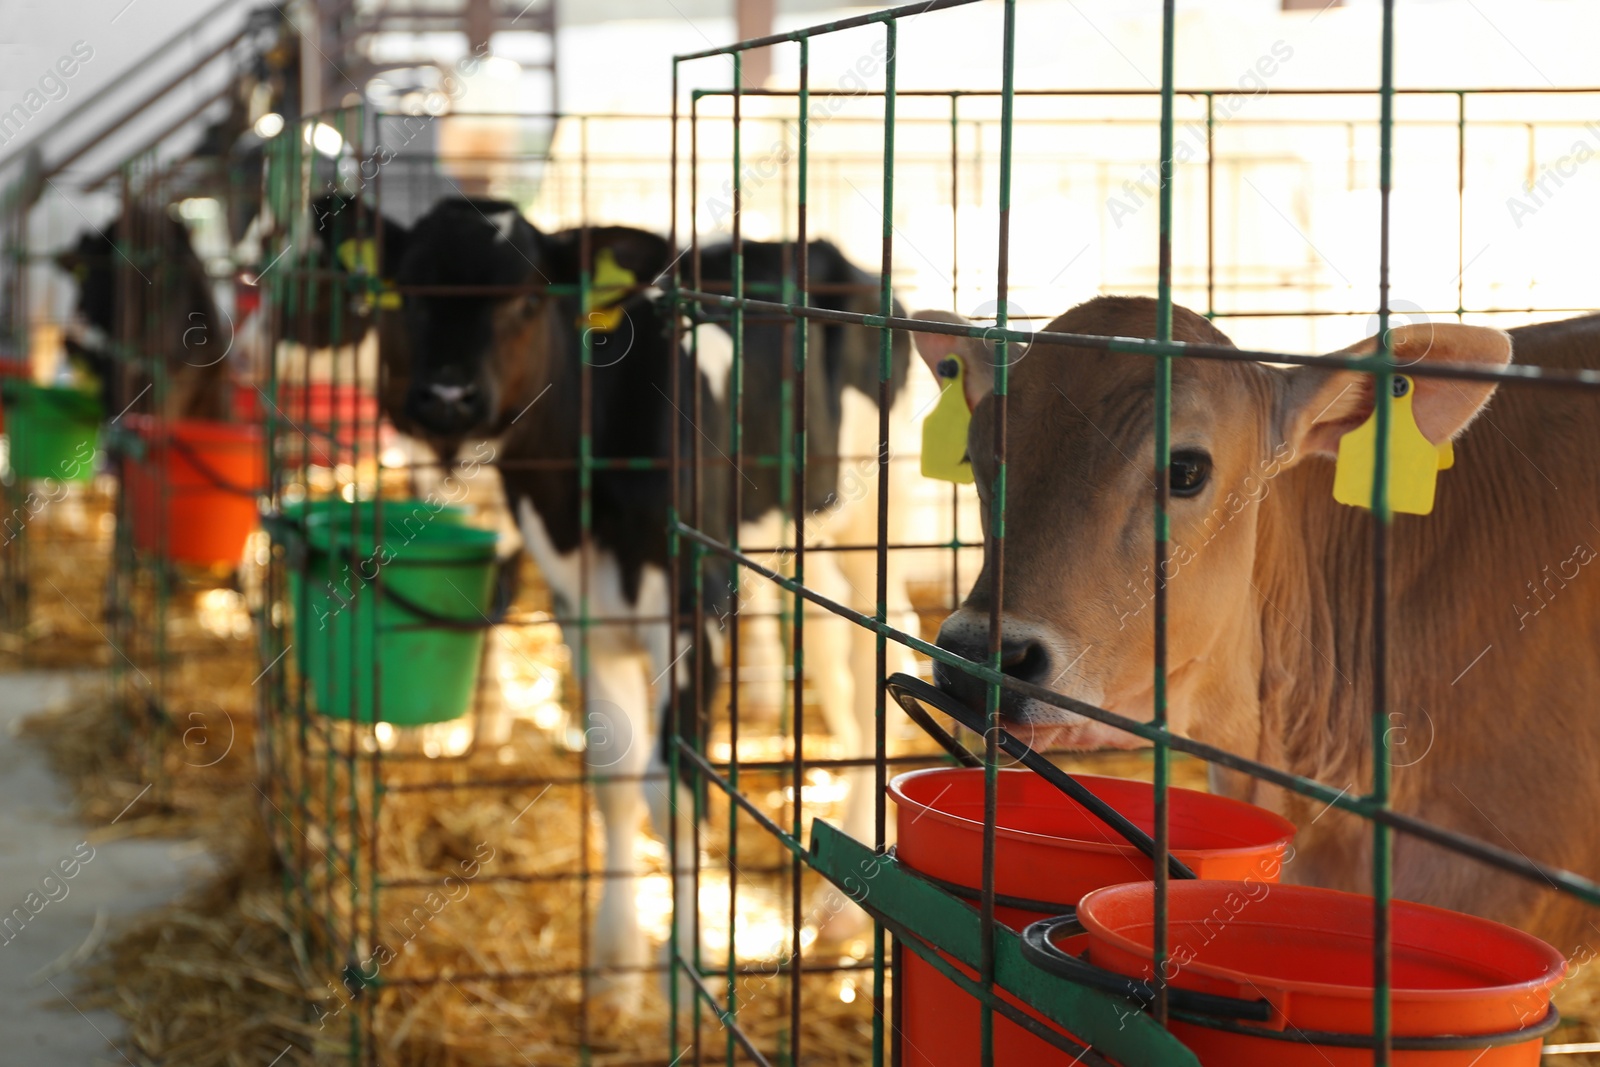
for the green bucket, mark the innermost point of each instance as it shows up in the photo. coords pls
(288, 528)
(349, 637)
(53, 430)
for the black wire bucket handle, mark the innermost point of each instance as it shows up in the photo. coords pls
(911, 693)
(1232, 1014)
(1040, 949)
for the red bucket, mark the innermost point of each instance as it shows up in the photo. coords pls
(1049, 850)
(13, 368)
(1308, 952)
(192, 497)
(337, 421)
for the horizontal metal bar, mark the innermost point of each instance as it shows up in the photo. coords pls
(825, 763)
(1580, 379)
(1354, 314)
(502, 977)
(540, 878)
(1550, 90)
(854, 22)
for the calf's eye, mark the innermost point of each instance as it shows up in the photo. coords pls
(1189, 472)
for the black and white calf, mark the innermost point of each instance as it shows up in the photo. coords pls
(166, 310)
(505, 367)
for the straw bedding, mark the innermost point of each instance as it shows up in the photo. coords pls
(246, 968)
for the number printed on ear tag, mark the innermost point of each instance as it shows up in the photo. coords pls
(1414, 461)
(944, 431)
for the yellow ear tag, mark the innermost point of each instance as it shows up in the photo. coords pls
(1447, 455)
(1414, 461)
(944, 431)
(609, 287)
(360, 255)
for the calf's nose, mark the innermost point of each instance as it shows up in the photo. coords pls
(446, 407)
(1021, 657)
(454, 394)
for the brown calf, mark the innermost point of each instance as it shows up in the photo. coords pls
(1494, 680)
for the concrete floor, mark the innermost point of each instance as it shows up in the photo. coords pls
(39, 1027)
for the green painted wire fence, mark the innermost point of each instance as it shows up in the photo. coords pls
(693, 546)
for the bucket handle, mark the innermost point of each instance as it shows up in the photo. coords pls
(1039, 948)
(911, 693)
(207, 471)
(1232, 1014)
(504, 591)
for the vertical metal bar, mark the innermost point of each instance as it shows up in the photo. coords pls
(1163, 459)
(1461, 204)
(735, 508)
(585, 534)
(955, 305)
(695, 518)
(955, 202)
(885, 374)
(675, 570)
(997, 538)
(1211, 206)
(798, 500)
(1382, 839)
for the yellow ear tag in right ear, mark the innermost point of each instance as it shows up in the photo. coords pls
(944, 431)
(360, 254)
(1414, 461)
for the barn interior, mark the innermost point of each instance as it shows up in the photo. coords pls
(353, 759)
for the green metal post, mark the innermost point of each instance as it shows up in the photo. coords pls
(736, 398)
(802, 338)
(997, 534)
(1382, 839)
(1163, 460)
(885, 374)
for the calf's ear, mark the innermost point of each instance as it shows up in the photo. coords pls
(976, 354)
(1317, 407)
(613, 250)
(337, 223)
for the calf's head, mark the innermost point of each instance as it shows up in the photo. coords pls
(467, 331)
(482, 326)
(1078, 575)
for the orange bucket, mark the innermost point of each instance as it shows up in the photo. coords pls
(1049, 852)
(1466, 991)
(192, 497)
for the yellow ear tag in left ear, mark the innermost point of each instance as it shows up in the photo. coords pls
(944, 431)
(1414, 461)
(607, 290)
